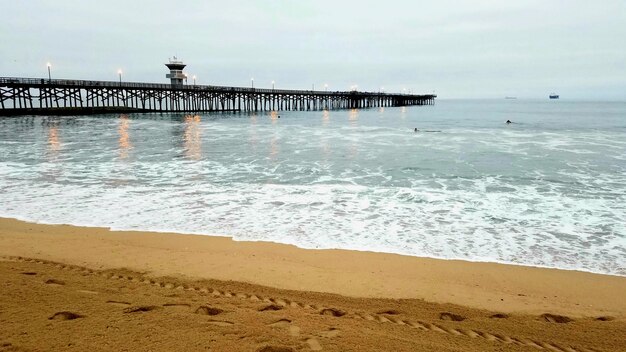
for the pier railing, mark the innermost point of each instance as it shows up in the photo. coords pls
(42, 93)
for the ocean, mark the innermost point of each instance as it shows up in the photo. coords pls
(547, 190)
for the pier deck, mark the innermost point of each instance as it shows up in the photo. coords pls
(28, 95)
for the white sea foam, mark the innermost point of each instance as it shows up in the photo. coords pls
(529, 197)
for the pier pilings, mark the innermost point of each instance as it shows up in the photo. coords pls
(30, 94)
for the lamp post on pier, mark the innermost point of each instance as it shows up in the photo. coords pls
(194, 80)
(119, 73)
(273, 83)
(326, 87)
(252, 80)
(49, 75)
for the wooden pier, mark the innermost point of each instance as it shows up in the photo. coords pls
(33, 95)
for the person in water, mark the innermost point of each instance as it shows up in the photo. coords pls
(416, 130)
(508, 122)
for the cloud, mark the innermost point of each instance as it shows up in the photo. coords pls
(460, 48)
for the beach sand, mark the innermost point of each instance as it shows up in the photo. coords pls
(76, 289)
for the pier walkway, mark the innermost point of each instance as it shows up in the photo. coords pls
(39, 94)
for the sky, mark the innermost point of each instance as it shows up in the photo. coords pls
(457, 49)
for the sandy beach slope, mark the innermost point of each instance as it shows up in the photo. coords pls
(77, 289)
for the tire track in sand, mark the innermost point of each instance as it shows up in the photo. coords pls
(330, 311)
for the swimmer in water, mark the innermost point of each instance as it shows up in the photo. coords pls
(416, 130)
(508, 122)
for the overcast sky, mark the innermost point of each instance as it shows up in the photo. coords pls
(459, 49)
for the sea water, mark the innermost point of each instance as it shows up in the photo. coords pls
(547, 190)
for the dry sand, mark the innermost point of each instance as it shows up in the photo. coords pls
(72, 288)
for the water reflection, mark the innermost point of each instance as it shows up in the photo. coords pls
(53, 170)
(274, 116)
(124, 139)
(54, 145)
(403, 112)
(192, 137)
(353, 117)
(325, 117)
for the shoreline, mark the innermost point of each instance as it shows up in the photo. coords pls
(480, 285)
(176, 232)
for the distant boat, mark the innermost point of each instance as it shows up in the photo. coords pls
(510, 97)
(554, 96)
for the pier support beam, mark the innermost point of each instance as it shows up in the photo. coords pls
(27, 93)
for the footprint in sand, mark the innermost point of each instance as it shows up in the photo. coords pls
(333, 312)
(118, 303)
(389, 312)
(553, 318)
(65, 316)
(271, 307)
(451, 317)
(140, 309)
(206, 310)
(499, 316)
(54, 282)
(605, 318)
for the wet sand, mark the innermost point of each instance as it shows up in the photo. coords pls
(73, 288)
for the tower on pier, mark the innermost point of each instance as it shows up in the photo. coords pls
(176, 74)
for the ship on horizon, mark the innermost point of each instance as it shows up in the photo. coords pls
(554, 96)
